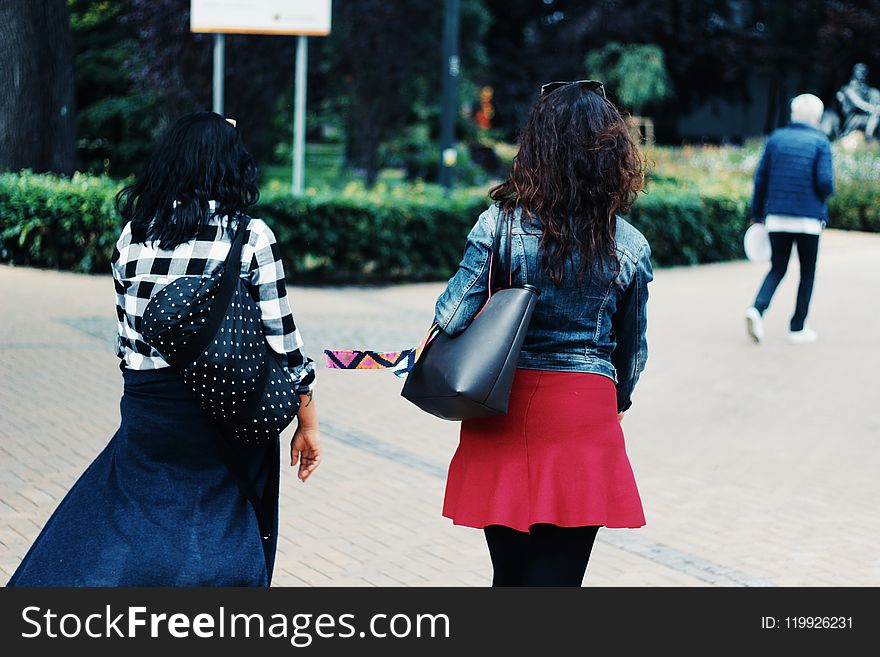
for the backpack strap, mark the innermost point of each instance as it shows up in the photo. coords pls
(219, 307)
(222, 298)
(261, 504)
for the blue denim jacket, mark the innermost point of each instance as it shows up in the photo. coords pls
(591, 324)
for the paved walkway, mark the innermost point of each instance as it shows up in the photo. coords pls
(757, 465)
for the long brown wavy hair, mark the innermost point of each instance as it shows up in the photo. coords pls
(577, 168)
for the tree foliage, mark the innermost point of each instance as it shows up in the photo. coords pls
(379, 70)
(635, 72)
(117, 119)
(383, 62)
(374, 83)
(713, 49)
(176, 66)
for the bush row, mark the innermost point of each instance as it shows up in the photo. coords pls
(65, 223)
(855, 206)
(685, 227)
(357, 236)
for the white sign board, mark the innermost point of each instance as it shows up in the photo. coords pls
(309, 17)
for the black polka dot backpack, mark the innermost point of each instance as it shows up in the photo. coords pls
(209, 329)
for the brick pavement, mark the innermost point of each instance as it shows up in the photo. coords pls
(757, 465)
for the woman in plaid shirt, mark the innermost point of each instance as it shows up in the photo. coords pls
(159, 507)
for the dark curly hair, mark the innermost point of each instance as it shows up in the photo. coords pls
(199, 158)
(577, 168)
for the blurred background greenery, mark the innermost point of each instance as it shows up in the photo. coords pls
(374, 81)
(708, 78)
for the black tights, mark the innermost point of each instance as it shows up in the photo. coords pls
(546, 556)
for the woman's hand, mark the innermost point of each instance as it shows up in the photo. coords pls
(305, 448)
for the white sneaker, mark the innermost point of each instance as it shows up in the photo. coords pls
(755, 325)
(804, 336)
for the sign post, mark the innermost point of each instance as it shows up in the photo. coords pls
(299, 115)
(303, 18)
(219, 71)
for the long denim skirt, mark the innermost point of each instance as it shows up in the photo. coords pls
(158, 506)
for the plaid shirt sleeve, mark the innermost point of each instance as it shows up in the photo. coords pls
(266, 276)
(119, 288)
(131, 300)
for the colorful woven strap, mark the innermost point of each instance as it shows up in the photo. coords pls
(400, 362)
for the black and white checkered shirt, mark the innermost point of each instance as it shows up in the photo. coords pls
(141, 270)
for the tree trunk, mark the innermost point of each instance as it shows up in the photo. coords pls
(36, 86)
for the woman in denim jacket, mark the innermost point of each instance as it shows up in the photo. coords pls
(541, 480)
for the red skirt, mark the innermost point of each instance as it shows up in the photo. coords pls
(557, 457)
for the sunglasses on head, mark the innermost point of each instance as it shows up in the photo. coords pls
(590, 85)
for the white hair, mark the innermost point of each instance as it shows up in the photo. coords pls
(807, 108)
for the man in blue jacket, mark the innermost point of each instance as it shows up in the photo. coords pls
(793, 180)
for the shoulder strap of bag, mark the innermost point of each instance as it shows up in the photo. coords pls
(510, 252)
(228, 283)
(495, 255)
(261, 504)
(222, 298)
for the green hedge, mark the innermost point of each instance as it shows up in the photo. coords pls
(855, 206)
(350, 239)
(407, 233)
(65, 223)
(685, 227)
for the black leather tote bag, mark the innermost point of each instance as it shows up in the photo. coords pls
(209, 329)
(470, 375)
